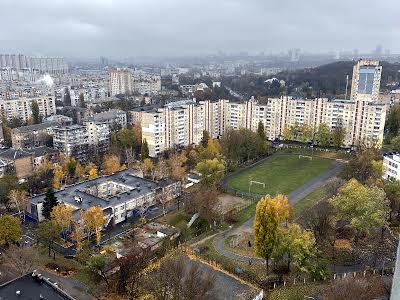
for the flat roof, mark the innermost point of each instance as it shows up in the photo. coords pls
(31, 287)
(138, 187)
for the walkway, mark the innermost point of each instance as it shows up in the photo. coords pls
(247, 227)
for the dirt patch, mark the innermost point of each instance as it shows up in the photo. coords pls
(228, 202)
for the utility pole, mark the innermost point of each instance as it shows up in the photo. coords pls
(347, 85)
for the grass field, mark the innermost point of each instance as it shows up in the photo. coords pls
(283, 174)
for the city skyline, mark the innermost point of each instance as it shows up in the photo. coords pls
(127, 29)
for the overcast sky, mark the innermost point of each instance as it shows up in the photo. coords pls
(120, 28)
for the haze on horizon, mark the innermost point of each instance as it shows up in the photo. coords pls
(127, 28)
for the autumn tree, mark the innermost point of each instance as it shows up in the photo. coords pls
(365, 166)
(79, 171)
(212, 171)
(296, 245)
(161, 169)
(58, 177)
(144, 151)
(266, 224)
(284, 208)
(20, 259)
(205, 202)
(7, 184)
(148, 167)
(306, 133)
(61, 216)
(364, 207)
(77, 236)
(93, 220)
(10, 230)
(50, 200)
(323, 135)
(175, 280)
(111, 164)
(176, 165)
(20, 200)
(91, 171)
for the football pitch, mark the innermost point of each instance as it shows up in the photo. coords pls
(282, 174)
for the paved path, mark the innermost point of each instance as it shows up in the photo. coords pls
(294, 197)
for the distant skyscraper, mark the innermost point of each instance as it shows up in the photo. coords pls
(378, 50)
(54, 65)
(294, 54)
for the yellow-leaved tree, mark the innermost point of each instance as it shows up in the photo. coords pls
(91, 171)
(111, 164)
(266, 228)
(61, 215)
(93, 220)
(58, 177)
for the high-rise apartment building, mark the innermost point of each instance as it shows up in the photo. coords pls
(21, 107)
(54, 65)
(182, 123)
(120, 82)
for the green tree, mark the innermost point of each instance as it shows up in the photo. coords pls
(97, 266)
(261, 130)
(296, 245)
(10, 230)
(395, 143)
(37, 118)
(212, 170)
(323, 135)
(144, 152)
(392, 190)
(47, 234)
(338, 135)
(82, 100)
(266, 228)
(365, 166)
(205, 138)
(7, 184)
(50, 200)
(393, 122)
(306, 133)
(366, 208)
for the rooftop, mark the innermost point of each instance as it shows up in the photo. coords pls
(125, 186)
(31, 286)
(30, 128)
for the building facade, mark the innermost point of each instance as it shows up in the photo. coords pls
(121, 196)
(120, 81)
(72, 141)
(21, 107)
(33, 135)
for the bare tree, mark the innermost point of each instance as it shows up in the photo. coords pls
(22, 260)
(179, 278)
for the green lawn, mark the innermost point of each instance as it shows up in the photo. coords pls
(309, 201)
(283, 174)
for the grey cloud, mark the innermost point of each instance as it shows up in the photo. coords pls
(183, 27)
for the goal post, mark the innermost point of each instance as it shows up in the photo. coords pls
(257, 182)
(305, 156)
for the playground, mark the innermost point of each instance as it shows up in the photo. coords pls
(279, 174)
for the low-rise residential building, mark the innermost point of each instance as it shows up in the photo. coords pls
(21, 107)
(33, 135)
(121, 196)
(115, 118)
(391, 166)
(22, 162)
